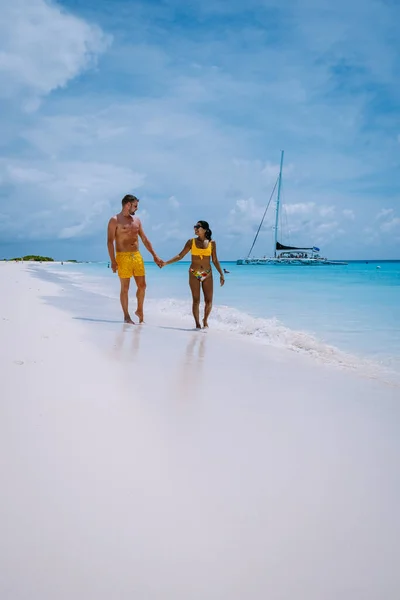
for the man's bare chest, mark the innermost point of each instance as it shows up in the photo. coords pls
(128, 229)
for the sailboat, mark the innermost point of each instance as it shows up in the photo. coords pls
(284, 255)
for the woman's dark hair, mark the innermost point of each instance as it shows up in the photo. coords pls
(206, 226)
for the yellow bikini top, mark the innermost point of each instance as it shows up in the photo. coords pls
(201, 251)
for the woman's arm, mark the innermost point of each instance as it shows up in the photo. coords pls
(181, 254)
(216, 262)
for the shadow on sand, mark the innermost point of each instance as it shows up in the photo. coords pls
(96, 320)
(180, 328)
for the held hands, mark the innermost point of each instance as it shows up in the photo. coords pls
(159, 262)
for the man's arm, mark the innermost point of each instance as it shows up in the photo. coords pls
(148, 246)
(216, 262)
(112, 227)
(181, 254)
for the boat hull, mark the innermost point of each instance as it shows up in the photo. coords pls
(289, 261)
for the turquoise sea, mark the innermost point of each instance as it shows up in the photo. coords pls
(329, 311)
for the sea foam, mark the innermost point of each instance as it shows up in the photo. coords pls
(273, 333)
(233, 321)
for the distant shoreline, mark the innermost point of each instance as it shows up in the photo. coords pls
(232, 262)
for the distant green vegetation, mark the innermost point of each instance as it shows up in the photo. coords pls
(33, 257)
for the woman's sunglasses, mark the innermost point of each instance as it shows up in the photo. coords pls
(197, 226)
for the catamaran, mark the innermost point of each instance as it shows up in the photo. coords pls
(284, 255)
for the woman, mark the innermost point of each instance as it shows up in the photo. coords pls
(203, 250)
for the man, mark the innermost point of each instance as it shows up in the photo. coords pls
(124, 229)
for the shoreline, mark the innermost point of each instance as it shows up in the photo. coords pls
(238, 325)
(156, 462)
(233, 261)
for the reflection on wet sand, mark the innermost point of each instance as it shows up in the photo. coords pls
(191, 369)
(185, 371)
(127, 342)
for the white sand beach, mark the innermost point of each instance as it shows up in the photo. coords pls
(154, 462)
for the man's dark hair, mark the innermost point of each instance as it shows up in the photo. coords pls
(128, 198)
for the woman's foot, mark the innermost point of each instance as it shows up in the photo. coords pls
(198, 326)
(205, 323)
(127, 319)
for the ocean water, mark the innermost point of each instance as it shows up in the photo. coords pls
(340, 314)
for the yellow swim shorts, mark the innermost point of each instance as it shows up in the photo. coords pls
(130, 264)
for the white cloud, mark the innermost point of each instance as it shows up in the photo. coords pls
(327, 227)
(265, 171)
(173, 203)
(245, 216)
(349, 214)
(391, 226)
(77, 197)
(385, 212)
(301, 208)
(200, 118)
(387, 231)
(171, 231)
(26, 174)
(371, 236)
(73, 231)
(43, 47)
(144, 215)
(326, 211)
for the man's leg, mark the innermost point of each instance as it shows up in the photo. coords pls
(124, 297)
(208, 289)
(194, 284)
(140, 294)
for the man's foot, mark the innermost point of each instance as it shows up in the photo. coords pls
(127, 319)
(198, 326)
(205, 324)
(140, 316)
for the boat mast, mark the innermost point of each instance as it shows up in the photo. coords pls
(262, 220)
(277, 204)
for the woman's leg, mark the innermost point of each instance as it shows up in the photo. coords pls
(194, 284)
(208, 290)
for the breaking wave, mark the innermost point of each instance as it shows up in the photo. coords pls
(235, 322)
(273, 333)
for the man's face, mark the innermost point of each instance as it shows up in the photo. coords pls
(133, 207)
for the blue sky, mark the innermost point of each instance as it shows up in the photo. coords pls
(187, 104)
